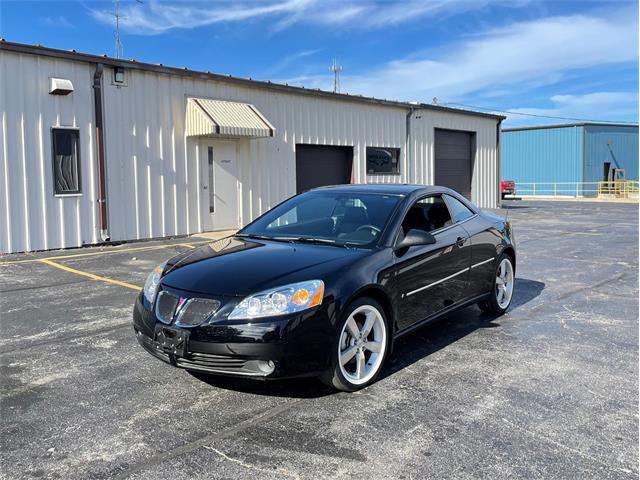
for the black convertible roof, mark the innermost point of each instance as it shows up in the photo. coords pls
(383, 188)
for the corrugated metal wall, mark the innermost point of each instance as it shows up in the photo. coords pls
(610, 144)
(542, 155)
(31, 217)
(153, 178)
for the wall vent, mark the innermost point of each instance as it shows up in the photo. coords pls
(60, 86)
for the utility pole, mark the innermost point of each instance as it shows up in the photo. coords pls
(336, 69)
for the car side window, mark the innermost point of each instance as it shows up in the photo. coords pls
(459, 211)
(428, 214)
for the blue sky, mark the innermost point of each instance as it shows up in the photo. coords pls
(564, 58)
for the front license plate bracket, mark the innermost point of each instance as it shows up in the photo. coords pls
(172, 341)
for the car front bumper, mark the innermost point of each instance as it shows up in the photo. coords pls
(296, 345)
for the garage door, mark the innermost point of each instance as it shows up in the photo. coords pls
(318, 165)
(454, 160)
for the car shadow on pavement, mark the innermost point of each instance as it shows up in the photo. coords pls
(407, 350)
(290, 388)
(435, 336)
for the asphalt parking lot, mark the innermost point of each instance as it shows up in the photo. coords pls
(549, 390)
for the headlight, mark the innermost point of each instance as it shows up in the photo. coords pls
(153, 280)
(279, 301)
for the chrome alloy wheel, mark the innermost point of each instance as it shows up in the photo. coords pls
(504, 283)
(362, 345)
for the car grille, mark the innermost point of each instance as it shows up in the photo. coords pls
(203, 362)
(196, 310)
(209, 362)
(166, 306)
(188, 312)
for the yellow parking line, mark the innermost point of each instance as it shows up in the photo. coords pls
(89, 254)
(188, 245)
(90, 275)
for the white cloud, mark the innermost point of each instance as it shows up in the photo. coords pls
(499, 62)
(289, 61)
(524, 54)
(611, 106)
(389, 13)
(59, 21)
(155, 16)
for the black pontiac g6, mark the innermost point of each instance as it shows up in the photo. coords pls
(322, 284)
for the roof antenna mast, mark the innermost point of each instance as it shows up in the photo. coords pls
(336, 69)
(117, 16)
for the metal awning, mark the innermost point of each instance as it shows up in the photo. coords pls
(221, 117)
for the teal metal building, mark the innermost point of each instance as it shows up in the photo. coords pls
(566, 154)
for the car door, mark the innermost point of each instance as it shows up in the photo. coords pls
(484, 239)
(430, 278)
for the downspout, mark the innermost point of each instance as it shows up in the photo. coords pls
(100, 156)
(408, 143)
(499, 160)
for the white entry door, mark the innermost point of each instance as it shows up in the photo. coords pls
(219, 165)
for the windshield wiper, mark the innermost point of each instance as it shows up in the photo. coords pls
(265, 237)
(312, 240)
(251, 235)
(319, 241)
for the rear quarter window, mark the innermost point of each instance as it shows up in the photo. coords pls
(459, 211)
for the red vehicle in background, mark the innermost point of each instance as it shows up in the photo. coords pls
(507, 187)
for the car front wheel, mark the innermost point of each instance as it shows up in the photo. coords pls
(502, 292)
(361, 347)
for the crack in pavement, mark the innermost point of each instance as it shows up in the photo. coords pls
(539, 436)
(282, 471)
(572, 292)
(67, 338)
(204, 441)
(51, 285)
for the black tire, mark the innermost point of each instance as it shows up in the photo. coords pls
(491, 304)
(503, 195)
(334, 377)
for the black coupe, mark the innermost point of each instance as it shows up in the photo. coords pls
(322, 284)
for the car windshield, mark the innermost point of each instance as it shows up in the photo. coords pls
(326, 217)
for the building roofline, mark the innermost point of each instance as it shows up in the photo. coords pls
(206, 75)
(569, 125)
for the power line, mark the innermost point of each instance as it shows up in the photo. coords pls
(576, 119)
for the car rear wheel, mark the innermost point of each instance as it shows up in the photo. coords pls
(502, 292)
(361, 347)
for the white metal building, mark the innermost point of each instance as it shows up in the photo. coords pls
(95, 148)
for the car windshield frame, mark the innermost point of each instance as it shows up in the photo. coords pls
(251, 230)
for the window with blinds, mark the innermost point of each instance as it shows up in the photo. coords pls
(66, 161)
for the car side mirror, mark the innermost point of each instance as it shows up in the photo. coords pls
(415, 237)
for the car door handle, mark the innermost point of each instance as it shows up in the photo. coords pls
(460, 241)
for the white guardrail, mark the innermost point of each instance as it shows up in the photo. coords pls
(614, 189)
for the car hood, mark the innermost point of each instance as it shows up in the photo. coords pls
(237, 266)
